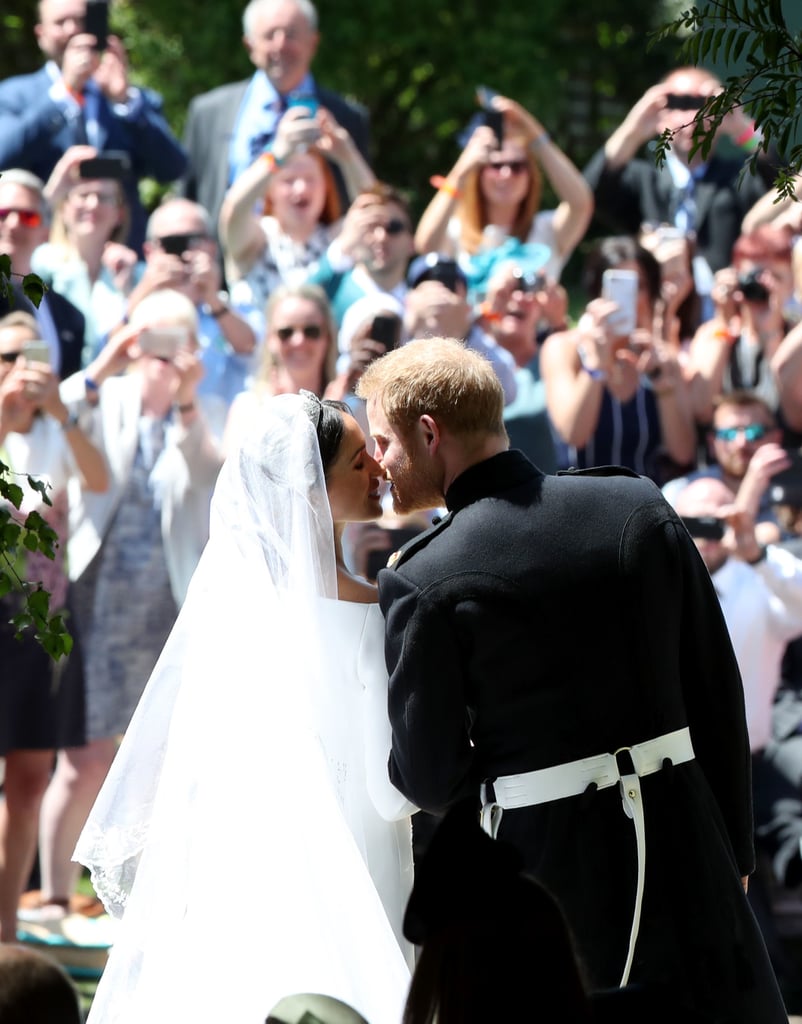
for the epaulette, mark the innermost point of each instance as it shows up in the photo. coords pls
(411, 546)
(599, 471)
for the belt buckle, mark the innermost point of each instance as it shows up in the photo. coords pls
(626, 765)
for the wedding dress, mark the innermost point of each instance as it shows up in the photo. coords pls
(239, 834)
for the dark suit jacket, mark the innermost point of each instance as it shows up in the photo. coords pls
(210, 126)
(68, 321)
(34, 134)
(640, 192)
(551, 618)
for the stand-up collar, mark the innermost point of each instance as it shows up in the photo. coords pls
(490, 476)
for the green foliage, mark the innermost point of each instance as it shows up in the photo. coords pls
(31, 534)
(577, 65)
(751, 36)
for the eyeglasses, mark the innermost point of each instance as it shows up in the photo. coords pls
(10, 357)
(513, 166)
(751, 432)
(28, 218)
(312, 332)
(102, 198)
(394, 226)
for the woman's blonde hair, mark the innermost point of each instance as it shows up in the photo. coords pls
(472, 209)
(269, 361)
(332, 208)
(166, 306)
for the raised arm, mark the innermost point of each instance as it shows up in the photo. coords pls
(572, 216)
(432, 231)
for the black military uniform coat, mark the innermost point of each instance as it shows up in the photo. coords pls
(550, 618)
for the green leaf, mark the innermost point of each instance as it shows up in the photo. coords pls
(42, 488)
(34, 288)
(5, 265)
(14, 494)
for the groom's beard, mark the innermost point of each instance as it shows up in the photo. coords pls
(416, 485)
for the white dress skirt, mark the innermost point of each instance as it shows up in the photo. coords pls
(272, 871)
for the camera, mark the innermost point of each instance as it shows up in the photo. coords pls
(752, 289)
(528, 281)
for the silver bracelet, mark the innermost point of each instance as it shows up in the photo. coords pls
(539, 142)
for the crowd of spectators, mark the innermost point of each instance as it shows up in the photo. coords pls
(278, 262)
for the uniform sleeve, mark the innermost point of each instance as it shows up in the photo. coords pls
(714, 699)
(431, 758)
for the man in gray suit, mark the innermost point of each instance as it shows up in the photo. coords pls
(229, 126)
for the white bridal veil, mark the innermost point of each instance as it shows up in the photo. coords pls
(218, 832)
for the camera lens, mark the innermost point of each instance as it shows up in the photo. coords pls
(752, 289)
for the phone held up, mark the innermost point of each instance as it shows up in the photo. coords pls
(704, 527)
(36, 351)
(96, 22)
(491, 117)
(113, 164)
(163, 342)
(621, 287)
(386, 330)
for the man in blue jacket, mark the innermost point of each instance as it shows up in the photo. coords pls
(83, 96)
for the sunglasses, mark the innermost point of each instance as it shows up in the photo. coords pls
(28, 218)
(395, 226)
(752, 432)
(312, 332)
(10, 357)
(514, 166)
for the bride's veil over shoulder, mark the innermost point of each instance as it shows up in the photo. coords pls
(218, 836)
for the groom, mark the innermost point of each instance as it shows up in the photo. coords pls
(549, 637)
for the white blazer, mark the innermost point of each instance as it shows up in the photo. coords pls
(187, 471)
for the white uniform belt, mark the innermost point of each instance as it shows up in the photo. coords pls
(574, 777)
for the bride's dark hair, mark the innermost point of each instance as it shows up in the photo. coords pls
(327, 419)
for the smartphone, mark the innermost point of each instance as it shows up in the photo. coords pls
(676, 101)
(177, 245)
(621, 287)
(96, 23)
(113, 164)
(495, 119)
(785, 487)
(386, 329)
(36, 351)
(309, 103)
(485, 97)
(378, 559)
(704, 527)
(163, 342)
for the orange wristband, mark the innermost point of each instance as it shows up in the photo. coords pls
(444, 185)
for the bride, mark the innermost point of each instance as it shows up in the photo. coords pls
(246, 827)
